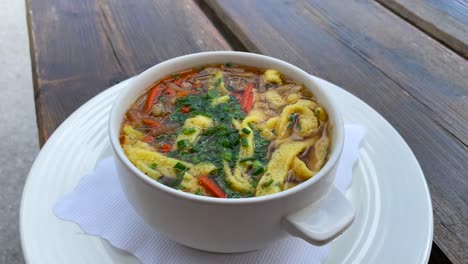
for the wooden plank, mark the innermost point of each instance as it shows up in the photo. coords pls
(80, 48)
(414, 81)
(446, 21)
(438, 80)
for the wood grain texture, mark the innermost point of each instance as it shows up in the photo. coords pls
(446, 21)
(79, 48)
(412, 80)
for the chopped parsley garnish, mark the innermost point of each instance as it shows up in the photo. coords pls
(261, 146)
(182, 143)
(212, 143)
(212, 93)
(246, 131)
(292, 117)
(268, 183)
(258, 171)
(189, 130)
(247, 159)
(257, 168)
(180, 166)
(244, 142)
(227, 155)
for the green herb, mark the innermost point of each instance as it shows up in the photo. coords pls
(196, 148)
(257, 164)
(255, 184)
(261, 146)
(180, 172)
(218, 143)
(199, 192)
(176, 76)
(258, 171)
(180, 166)
(195, 159)
(227, 155)
(153, 166)
(244, 142)
(268, 183)
(246, 131)
(257, 168)
(247, 159)
(182, 143)
(225, 142)
(189, 130)
(212, 93)
(292, 117)
(178, 116)
(222, 130)
(228, 64)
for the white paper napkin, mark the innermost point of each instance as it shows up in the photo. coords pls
(99, 206)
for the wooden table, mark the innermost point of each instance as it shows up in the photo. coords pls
(407, 59)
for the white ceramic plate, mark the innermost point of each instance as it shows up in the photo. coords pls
(393, 208)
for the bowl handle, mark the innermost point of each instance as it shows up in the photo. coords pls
(322, 221)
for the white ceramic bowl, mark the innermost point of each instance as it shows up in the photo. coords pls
(313, 210)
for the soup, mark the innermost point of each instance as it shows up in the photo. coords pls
(227, 131)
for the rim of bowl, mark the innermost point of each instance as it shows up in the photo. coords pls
(118, 151)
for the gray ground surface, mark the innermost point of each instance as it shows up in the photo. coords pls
(18, 133)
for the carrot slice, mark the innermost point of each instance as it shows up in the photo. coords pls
(152, 96)
(147, 139)
(166, 148)
(249, 104)
(185, 109)
(211, 186)
(246, 95)
(183, 93)
(150, 122)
